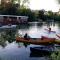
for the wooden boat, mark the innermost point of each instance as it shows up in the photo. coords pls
(42, 49)
(37, 41)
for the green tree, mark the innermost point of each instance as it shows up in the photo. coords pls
(41, 14)
(58, 1)
(22, 3)
(12, 7)
(27, 12)
(9, 9)
(50, 14)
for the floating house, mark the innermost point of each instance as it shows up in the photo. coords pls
(13, 19)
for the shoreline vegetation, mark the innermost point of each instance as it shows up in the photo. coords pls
(34, 15)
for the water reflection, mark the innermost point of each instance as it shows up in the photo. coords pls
(7, 35)
(34, 30)
(13, 52)
(38, 55)
(17, 51)
(23, 26)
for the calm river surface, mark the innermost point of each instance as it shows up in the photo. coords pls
(17, 51)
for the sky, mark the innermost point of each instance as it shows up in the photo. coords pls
(44, 4)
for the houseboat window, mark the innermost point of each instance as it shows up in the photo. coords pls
(13, 18)
(5, 17)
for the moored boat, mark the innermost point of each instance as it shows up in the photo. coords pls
(37, 41)
(42, 49)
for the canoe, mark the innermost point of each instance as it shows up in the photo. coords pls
(37, 41)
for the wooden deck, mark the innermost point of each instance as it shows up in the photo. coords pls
(37, 41)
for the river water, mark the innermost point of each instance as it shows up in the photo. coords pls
(36, 30)
(17, 51)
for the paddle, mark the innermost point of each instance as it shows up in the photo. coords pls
(50, 31)
(57, 35)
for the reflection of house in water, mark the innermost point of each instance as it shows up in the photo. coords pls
(12, 19)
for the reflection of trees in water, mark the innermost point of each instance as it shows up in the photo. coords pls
(50, 24)
(39, 25)
(58, 24)
(2, 40)
(7, 35)
(23, 26)
(10, 35)
(22, 44)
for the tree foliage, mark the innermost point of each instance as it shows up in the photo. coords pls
(26, 12)
(9, 9)
(20, 8)
(58, 1)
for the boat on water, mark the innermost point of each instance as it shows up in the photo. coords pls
(37, 41)
(7, 26)
(46, 45)
(42, 49)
